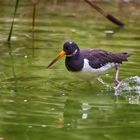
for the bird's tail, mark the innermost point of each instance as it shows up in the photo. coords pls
(123, 57)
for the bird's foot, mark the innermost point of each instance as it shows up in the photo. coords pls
(117, 83)
(117, 86)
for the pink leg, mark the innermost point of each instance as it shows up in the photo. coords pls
(117, 75)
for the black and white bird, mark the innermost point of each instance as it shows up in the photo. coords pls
(90, 63)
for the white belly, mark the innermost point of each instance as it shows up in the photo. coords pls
(89, 73)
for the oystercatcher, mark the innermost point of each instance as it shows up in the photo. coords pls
(90, 63)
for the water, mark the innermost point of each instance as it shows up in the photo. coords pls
(39, 103)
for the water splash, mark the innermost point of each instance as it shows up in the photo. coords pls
(128, 86)
(130, 89)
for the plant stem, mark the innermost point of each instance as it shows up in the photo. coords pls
(11, 30)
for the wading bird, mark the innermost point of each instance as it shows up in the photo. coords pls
(90, 63)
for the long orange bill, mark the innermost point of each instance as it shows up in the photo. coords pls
(57, 58)
(105, 14)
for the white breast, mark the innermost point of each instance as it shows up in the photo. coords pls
(89, 73)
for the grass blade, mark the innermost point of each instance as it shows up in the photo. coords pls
(33, 18)
(11, 30)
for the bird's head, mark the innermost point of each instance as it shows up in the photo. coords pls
(70, 49)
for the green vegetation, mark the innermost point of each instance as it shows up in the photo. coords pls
(38, 103)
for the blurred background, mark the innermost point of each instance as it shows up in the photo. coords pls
(37, 103)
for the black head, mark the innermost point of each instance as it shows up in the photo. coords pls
(70, 48)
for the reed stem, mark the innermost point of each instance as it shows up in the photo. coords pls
(105, 14)
(11, 29)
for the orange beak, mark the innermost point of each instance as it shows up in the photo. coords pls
(63, 53)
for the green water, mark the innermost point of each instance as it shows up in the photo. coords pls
(38, 103)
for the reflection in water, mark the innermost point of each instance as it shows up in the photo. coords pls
(85, 108)
(39, 103)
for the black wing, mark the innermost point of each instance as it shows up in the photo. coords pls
(98, 58)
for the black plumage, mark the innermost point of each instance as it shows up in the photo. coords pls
(98, 58)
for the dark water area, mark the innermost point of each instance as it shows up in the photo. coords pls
(37, 103)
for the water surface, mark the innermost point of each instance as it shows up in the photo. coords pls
(38, 103)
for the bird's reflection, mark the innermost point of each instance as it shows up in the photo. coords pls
(98, 110)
